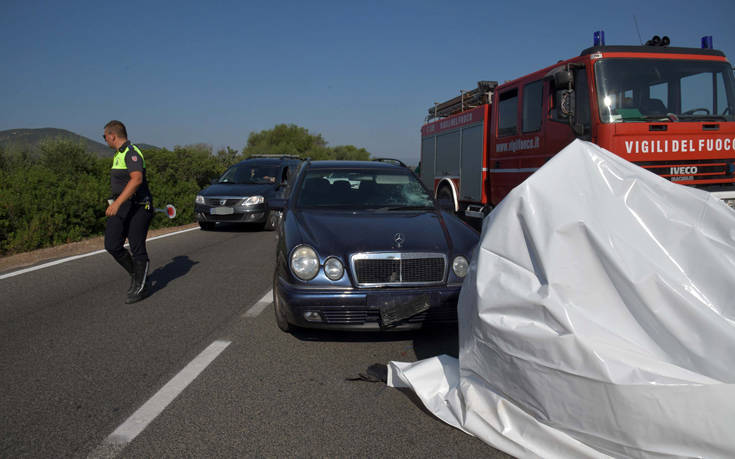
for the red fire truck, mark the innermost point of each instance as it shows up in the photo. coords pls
(670, 110)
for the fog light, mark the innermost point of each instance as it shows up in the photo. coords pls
(460, 265)
(333, 269)
(312, 316)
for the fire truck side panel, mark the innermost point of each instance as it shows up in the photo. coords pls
(428, 156)
(522, 144)
(448, 154)
(452, 153)
(470, 186)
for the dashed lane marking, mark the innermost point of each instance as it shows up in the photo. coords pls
(138, 421)
(258, 307)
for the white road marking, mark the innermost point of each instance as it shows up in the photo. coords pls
(258, 307)
(138, 421)
(76, 257)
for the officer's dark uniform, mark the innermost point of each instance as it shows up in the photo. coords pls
(132, 219)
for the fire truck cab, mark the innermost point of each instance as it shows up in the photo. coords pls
(670, 110)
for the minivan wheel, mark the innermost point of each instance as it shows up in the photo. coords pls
(271, 220)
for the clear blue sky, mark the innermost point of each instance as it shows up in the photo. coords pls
(360, 73)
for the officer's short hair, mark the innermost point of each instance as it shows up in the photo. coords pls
(116, 127)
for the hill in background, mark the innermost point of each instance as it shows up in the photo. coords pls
(30, 139)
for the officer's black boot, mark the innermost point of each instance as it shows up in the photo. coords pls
(126, 261)
(140, 289)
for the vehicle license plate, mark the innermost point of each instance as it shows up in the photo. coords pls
(395, 308)
(221, 211)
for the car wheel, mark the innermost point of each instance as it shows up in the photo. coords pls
(281, 320)
(271, 220)
(206, 226)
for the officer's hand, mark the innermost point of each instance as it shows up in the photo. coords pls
(112, 209)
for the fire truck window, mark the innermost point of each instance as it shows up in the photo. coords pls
(659, 91)
(696, 92)
(721, 96)
(532, 106)
(582, 96)
(508, 109)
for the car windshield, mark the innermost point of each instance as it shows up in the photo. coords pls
(630, 90)
(249, 174)
(383, 189)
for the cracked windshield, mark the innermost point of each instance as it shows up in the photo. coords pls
(363, 189)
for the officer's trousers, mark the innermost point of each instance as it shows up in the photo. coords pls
(131, 223)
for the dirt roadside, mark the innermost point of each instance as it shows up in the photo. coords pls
(21, 260)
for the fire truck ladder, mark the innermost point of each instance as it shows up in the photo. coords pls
(465, 101)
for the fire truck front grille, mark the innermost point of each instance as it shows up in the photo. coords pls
(701, 171)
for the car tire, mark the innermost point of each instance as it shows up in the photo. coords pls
(281, 319)
(206, 226)
(271, 220)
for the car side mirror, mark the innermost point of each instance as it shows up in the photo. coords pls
(213, 181)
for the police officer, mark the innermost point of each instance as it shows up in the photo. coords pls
(130, 211)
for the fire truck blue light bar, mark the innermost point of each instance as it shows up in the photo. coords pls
(599, 38)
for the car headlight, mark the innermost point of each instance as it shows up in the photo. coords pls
(304, 262)
(253, 200)
(199, 199)
(460, 266)
(334, 269)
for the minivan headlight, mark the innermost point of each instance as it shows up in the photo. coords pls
(253, 200)
(304, 262)
(333, 268)
(199, 199)
(460, 266)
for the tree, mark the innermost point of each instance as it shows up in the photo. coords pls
(226, 157)
(350, 152)
(283, 140)
(295, 140)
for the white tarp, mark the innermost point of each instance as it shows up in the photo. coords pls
(598, 318)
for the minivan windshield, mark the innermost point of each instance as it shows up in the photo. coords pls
(383, 189)
(630, 90)
(250, 174)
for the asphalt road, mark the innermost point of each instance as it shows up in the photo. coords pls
(198, 369)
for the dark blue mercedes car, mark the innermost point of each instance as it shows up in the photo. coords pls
(362, 245)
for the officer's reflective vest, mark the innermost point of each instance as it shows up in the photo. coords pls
(118, 162)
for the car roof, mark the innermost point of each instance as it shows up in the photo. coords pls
(337, 164)
(267, 161)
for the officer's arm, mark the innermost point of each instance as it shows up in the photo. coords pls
(136, 178)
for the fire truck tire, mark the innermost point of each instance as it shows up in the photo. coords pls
(445, 199)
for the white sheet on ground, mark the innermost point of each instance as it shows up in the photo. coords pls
(598, 318)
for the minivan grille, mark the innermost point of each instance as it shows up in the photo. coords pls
(398, 269)
(222, 201)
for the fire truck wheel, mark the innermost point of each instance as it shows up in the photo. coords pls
(445, 199)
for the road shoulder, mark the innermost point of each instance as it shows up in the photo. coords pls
(22, 260)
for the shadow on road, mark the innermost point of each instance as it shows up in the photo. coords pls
(427, 342)
(238, 228)
(175, 268)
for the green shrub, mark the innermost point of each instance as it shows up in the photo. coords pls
(60, 194)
